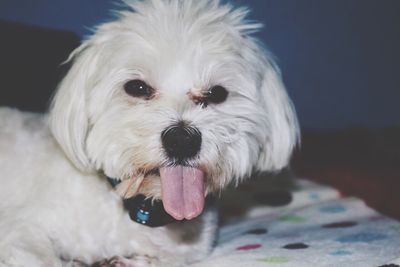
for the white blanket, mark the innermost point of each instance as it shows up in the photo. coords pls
(312, 226)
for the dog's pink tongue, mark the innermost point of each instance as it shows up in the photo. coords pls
(182, 191)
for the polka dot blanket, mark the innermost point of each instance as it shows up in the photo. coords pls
(308, 225)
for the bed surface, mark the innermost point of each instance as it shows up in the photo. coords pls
(301, 223)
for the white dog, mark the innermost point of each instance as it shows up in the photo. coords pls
(172, 101)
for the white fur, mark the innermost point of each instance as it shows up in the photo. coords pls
(55, 205)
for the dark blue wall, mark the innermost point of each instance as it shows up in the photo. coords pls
(340, 58)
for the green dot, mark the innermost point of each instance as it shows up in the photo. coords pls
(396, 227)
(293, 218)
(275, 259)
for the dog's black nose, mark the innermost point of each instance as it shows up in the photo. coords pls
(181, 142)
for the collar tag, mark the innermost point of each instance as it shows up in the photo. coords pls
(147, 211)
(143, 210)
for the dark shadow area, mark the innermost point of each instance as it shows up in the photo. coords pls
(359, 162)
(30, 64)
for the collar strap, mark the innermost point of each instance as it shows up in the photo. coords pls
(145, 211)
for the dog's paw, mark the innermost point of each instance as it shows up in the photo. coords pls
(123, 262)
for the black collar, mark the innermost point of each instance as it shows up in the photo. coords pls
(145, 211)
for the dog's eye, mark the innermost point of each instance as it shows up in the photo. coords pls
(217, 94)
(138, 88)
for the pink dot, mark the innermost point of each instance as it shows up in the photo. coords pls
(249, 247)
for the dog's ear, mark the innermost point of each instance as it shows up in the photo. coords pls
(282, 132)
(68, 112)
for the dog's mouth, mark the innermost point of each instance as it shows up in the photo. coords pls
(182, 190)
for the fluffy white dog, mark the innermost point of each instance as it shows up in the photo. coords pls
(172, 101)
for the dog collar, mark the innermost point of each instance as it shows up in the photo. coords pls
(144, 210)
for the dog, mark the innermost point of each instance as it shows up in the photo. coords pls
(163, 106)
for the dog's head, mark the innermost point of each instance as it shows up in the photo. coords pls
(176, 99)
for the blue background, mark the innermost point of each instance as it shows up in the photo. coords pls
(339, 58)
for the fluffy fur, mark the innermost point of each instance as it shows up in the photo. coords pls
(56, 208)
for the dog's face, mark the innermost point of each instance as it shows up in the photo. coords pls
(177, 100)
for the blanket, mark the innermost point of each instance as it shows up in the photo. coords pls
(307, 225)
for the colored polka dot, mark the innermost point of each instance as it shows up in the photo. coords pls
(296, 246)
(314, 196)
(249, 247)
(275, 259)
(341, 253)
(361, 237)
(344, 224)
(257, 231)
(274, 198)
(333, 209)
(293, 218)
